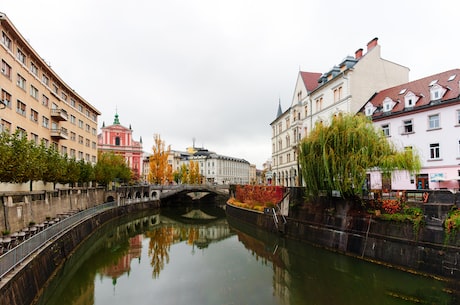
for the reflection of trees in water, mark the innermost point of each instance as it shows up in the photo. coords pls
(159, 245)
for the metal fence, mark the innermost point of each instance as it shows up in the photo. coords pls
(15, 256)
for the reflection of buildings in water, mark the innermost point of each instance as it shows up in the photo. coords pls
(124, 263)
(280, 259)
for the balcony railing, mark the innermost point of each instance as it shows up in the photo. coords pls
(59, 114)
(60, 133)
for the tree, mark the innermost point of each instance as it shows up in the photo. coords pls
(337, 157)
(111, 167)
(160, 171)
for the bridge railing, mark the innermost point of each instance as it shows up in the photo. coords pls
(12, 258)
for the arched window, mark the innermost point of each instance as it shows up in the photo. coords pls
(117, 141)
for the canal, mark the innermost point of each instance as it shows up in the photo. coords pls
(195, 255)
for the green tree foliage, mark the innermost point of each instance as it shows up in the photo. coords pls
(111, 167)
(337, 157)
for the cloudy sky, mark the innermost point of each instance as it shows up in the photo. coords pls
(214, 70)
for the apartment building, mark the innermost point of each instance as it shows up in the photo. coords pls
(36, 102)
(317, 97)
(422, 116)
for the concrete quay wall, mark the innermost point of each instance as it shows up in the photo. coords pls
(396, 244)
(22, 208)
(27, 281)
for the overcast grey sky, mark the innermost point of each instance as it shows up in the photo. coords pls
(215, 70)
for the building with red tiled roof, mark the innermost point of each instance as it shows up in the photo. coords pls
(422, 115)
(319, 96)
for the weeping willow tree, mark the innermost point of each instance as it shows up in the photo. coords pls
(338, 156)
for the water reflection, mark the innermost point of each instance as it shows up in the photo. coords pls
(185, 256)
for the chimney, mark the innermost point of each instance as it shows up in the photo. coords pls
(359, 53)
(371, 44)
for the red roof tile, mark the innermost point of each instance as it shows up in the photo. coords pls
(420, 88)
(310, 79)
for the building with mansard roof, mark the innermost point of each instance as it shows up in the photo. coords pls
(317, 97)
(423, 116)
(118, 139)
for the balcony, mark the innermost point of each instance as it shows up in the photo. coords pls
(59, 134)
(59, 114)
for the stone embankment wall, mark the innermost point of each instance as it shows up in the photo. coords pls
(31, 277)
(347, 228)
(21, 208)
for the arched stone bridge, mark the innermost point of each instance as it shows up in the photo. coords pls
(166, 193)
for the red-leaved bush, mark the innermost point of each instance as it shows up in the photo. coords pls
(259, 194)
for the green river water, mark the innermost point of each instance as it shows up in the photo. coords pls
(197, 256)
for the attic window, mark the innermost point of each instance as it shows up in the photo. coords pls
(433, 82)
(410, 99)
(369, 109)
(402, 91)
(451, 78)
(387, 106)
(436, 92)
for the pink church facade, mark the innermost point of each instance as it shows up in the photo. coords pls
(118, 139)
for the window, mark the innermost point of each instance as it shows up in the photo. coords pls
(80, 155)
(5, 126)
(386, 130)
(34, 138)
(93, 145)
(6, 98)
(80, 140)
(88, 128)
(73, 136)
(117, 141)
(33, 116)
(64, 96)
(319, 104)
(64, 150)
(45, 80)
(436, 92)
(337, 94)
(33, 69)
(93, 131)
(45, 122)
(21, 56)
(80, 124)
(80, 108)
(55, 89)
(45, 100)
(72, 153)
(72, 119)
(408, 127)
(434, 151)
(87, 142)
(21, 82)
(6, 41)
(21, 132)
(288, 122)
(6, 69)
(72, 102)
(433, 121)
(33, 92)
(21, 108)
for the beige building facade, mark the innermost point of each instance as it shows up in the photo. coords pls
(36, 102)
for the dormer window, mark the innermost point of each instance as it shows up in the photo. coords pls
(388, 104)
(436, 92)
(369, 109)
(410, 99)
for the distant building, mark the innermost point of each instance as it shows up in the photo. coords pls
(317, 97)
(422, 116)
(119, 140)
(214, 168)
(36, 102)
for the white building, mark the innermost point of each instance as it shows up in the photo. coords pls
(343, 89)
(219, 169)
(424, 116)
